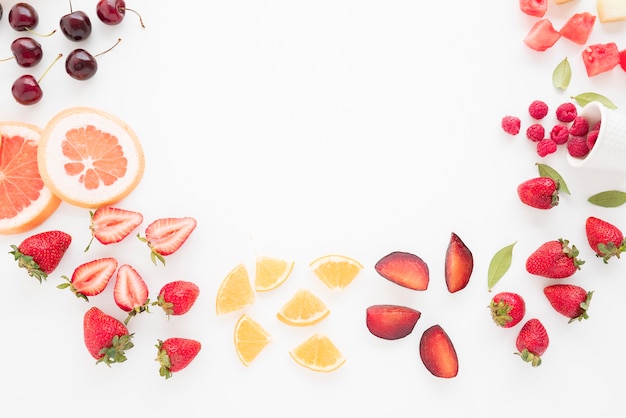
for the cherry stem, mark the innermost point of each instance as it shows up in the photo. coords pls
(138, 15)
(7, 59)
(41, 34)
(114, 45)
(71, 9)
(49, 66)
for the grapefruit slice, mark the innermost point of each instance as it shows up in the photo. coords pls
(25, 201)
(90, 158)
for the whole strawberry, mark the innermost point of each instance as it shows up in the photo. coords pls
(106, 338)
(174, 354)
(569, 300)
(539, 192)
(532, 342)
(605, 239)
(41, 253)
(177, 297)
(507, 309)
(554, 259)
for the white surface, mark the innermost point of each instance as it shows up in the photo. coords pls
(299, 129)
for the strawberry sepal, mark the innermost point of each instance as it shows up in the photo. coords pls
(529, 357)
(28, 262)
(584, 306)
(116, 352)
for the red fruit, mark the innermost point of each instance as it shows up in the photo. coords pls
(174, 354)
(438, 353)
(559, 134)
(106, 338)
(511, 124)
(605, 239)
(535, 132)
(622, 59)
(539, 192)
(404, 269)
(41, 253)
(507, 309)
(110, 225)
(532, 342)
(546, 146)
(391, 322)
(165, 236)
(600, 58)
(538, 109)
(578, 27)
(569, 300)
(554, 260)
(130, 292)
(91, 278)
(566, 112)
(177, 297)
(577, 146)
(579, 127)
(537, 8)
(459, 264)
(542, 35)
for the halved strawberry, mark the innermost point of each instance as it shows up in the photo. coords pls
(166, 235)
(110, 225)
(542, 35)
(130, 292)
(405, 269)
(91, 278)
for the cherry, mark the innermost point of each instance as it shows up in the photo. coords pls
(1, 11)
(26, 89)
(112, 12)
(23, 17)
(27, 52)
(76, 25)
(81, 65)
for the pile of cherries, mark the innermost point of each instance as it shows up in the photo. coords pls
(75, 26)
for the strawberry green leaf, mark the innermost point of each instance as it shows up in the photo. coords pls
(562, 75)
(608, 199)
(547, 171)
(586, 98)
(499, 265)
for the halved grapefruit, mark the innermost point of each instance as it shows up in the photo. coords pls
(25, 201)
(90, 158)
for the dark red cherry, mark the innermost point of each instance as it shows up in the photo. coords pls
(76, 25)
(23, 16)
(27, 51)
(80, 64)
(26, 89)
(112, 12)
(1, 11)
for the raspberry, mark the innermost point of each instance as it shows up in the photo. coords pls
(596, 126)
(546, 146)
(592, 137)
(577, 146)
(535, 132)
(566, 112)
(579, 126)
(511, 124)
(538, 109)
(559, 134)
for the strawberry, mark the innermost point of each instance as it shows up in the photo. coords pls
(404, 269)
(110, 225)
(391, 322)
(605, 239)
(569, 300)
(166, 235)
(539, 192)
(90, 278)
(459, 264)
(532, 342)
(554, 259)
(106, 338)
(130, 292)
(174, 354)
(507, 309)
(177, 297)
(41, 253)
(438, 353)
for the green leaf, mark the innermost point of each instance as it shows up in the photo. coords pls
(547, 171)
(586, 98)
(499, 265)
(608, 199)
(562, 75)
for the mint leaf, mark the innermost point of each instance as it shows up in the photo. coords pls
(547, 171)
(562, 75)
(586, 98)
(499, 265)
(608, 199)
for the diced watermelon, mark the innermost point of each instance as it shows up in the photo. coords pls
(622, 59)
(578, 27)
(542, 35)
(600, 58)
(537, 8)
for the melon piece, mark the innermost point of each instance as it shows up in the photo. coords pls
(537, 8)
(561, 1)
(578, 27)
(542, 35)
(600, 58)
(611, 10)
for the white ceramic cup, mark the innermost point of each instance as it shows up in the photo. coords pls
(609, 151)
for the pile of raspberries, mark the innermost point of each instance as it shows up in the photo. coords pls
(571, 129)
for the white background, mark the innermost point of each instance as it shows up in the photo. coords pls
(297, 129)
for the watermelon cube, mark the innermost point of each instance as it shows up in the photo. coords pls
(542, 35)
(600, 58)
(537, 8)
(578, 27)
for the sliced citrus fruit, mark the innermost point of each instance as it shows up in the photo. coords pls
(319, 354)
(90, 158)
(250, 339)
(25, 201)
(271, 273)
(303, 309)
(235, 291)
(336, 271)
